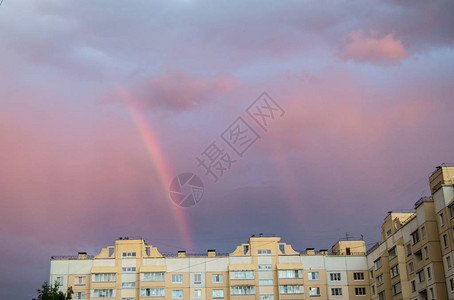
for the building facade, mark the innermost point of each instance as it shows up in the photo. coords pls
(264, 268)
(413, 260)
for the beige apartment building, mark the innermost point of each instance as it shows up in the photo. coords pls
(413, 260)
(264, 268)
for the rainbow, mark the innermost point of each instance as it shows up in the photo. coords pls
(148, 137)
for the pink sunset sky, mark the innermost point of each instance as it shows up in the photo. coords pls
(103, 103)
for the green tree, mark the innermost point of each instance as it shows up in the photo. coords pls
(51, 292)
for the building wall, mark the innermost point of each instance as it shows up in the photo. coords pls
(266, 257)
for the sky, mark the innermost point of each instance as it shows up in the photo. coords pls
(103, 103)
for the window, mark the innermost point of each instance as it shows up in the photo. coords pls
(379, 279)
(177, 294)
(242, 290)
(79, 280)
(153, 276)
(197, 278)
(128, 298)
(103, 293)
(371, 274)
(59, 280)
(312, 275)
(415, 237)
(218, 293)
(265, 267)
(429, 275)
(264, 252)
(448, 262)
(152, 292)
(245, 249)
(426, 252)
(336, 291)
(266, 282)
(358, 276)
(360, 291)
(105, 277)
(282, 249)
(335, 276)
(420, 275)
(423, 232)
(381, 296)
(397, 288)
(413, 286)
(290, 274)
(128, 269)
(129, 254)
(291, 289)
(377, 264)
(388, 233)
(445, 241)
(217, 278)
(314, 291)
(266, 297)
(241, 275)
(451, 284)
(442, 220)
(451, 211)
(177, 279)
(431, 293)
(392, 253)
(394, 271)
(373, 289)
(410, 268)
(79, 296)
(197, 294)
(408, 250)
(128, 285)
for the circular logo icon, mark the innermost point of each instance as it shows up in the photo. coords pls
(186, 189)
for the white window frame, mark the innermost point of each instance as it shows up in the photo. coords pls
(360, 291)
(152, 292)
(291, 289)
(290, 274)
(218, 293)
(197, 278)
(242, 290)
(336, 291)
(177, 294)
(358, 276)
(313, 276)
(335, 276)
(217, 278)
(177, 278)
(314, 291)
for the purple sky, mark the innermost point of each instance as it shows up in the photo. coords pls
(367, 93)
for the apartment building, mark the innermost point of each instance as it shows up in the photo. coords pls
(414, 257)
(264, 268)
(413, 260)
(442, 189)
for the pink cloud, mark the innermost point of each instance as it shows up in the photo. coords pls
(179, 91)
(374, 49)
